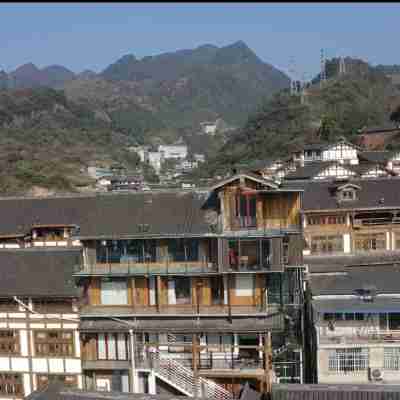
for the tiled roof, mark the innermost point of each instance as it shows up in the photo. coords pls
(106, 215)
(374, 194)
(383, 278)
(38, 273)
(309, 170)
(375, 156)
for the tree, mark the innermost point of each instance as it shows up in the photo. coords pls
(395, 115)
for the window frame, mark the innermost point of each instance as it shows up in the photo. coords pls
(13, 380)
(14, 342)
(42, 346)
(348, 360)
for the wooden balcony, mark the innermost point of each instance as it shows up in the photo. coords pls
(148, 268)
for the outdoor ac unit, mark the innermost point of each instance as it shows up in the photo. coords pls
(375, 374)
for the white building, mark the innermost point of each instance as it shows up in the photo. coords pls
(39, 337)
(208, 128)
(179, 151)
(155, 159)
(356, 320)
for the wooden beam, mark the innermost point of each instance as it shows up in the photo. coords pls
(267, 359)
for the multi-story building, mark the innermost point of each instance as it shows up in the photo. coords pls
(189, 292)
(177, 151)
(198, 286)
(39, 338)
(351, 248)
(355, 321)
(351, 216)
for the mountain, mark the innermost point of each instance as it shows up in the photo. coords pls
(170, 94)
(361, 97)
(47, 140)
(29, 76)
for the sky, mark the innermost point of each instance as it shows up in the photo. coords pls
(93, 35)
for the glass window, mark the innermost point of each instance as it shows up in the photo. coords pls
(114, 292)
(370, 241)
(65, 380)
(348, 360)
(183, 290)
(391, 357)
(112, 346)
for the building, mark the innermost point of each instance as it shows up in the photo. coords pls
(155, 159)
(39, 339)
(208, 128)
(355, 321)
(377, 138)
(341, 151)
(178, 151)
(335, 392)
(351, 216)
(190, 283)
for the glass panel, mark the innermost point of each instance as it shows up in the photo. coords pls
(101, 347)
(114, 292)
(112, 349)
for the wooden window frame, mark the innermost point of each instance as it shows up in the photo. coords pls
(369, 241)
(11, 384)
(10, 342)
(63, 347)
(41, 377)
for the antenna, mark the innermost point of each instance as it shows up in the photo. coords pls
(292, 72)
(323, 68)
(342, 66)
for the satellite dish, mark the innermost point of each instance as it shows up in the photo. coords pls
(211, 217)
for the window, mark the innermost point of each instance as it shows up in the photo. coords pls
(348, 194)
(327, 220)
(370, 241)
(244, 285)
(183, 290)
(183, 250)
(348, 360)
(11, 385)
(114, 292)
(64, 380)
(391, 358)
(54, 343)
(217, 342)
(326, 244)
(9, 342)
(245, 210)
(285, 250)
(333, 316)
(354, 317)
(112, 346)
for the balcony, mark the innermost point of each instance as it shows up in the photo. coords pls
(129, 267)
(358, 335)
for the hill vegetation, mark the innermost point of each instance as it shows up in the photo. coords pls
(362, 97)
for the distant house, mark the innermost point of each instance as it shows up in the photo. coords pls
(376, 138)
(155, 159)
(342, 151)
(208, 128)
(199, 157)
(179, 151)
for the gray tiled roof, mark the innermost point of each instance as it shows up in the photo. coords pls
(321, 196)
(106, 215)
(38, 273)
(384, 278)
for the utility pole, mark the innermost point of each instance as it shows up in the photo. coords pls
(342, 66)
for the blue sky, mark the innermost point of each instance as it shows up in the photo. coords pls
(91, 36)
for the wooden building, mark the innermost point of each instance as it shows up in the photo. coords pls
(39, 339)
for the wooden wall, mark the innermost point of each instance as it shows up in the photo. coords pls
(280, 210)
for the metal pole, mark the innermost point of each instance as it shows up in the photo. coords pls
(133, 361)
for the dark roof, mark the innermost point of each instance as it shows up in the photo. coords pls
(337, 263)
(375, 156)
(321, 196)
(38, 273)
(377, 129)
(190, 324)
(57, 392)
(383, 278)
(106, 215)
(309, 170)
(357, 305)
(338, 391)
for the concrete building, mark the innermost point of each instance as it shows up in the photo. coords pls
(179, 151)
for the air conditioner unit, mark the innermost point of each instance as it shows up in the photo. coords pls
(375, 374)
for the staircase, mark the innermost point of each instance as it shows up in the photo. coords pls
(182, 379)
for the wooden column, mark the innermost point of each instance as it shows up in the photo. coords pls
(158, 292)
(267, 358)
(195, 353)
(229, 297)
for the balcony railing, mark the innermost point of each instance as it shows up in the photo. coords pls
(353, 335)
(147, 268)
